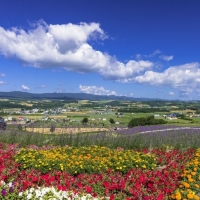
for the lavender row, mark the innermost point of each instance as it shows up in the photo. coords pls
(154, 128)
(133, 138)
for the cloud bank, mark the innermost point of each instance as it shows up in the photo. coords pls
(68, 46)
(185, 78)
(96, 90)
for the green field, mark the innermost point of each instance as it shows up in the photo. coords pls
(100, 112)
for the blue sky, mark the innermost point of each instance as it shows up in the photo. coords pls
(138, 48)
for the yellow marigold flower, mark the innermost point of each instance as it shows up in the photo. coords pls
(182, 175)
(172, 196)
(178, 196)
(193, 173)
(189, 176)
(196, 185)
(187, 185)
(190, 196)
(180, 186)
(196, 197)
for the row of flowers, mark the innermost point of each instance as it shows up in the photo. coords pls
(92, 159)
(41, 193)
(137, 183)
(189, 187)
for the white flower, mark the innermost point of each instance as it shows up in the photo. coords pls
(41, 193)
(3, 183)
(38, 193)
(10, 184)
(44, 191)
(20, 194)
(29, 196)
(31, 190)
(65, 194)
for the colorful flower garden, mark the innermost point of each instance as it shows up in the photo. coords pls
(98, 172)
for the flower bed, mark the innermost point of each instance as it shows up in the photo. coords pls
(92, 159)
(165, 175)
(189, 187)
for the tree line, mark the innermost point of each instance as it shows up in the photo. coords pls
(144, 121)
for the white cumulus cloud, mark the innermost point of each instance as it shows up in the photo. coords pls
(166, 58)
(130, 69)
(175, 76)
(171, 93)
(185, 77)
(2, 75)
(96, 90)
(24, 87)
(66, 46)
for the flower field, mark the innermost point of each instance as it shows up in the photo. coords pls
(83, 159)
(95, 172)
(159, 163)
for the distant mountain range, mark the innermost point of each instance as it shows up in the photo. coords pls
(66, 96)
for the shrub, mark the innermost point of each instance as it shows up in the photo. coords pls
(85, 120)
(111, 120)
(143, 121)
(53, 128)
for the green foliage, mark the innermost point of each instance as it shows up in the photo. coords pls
(143, 121)
(3, 114)
(14, 119)
(111, 120)
(19, 127)
(182, 116)
(53, 128)
(90, 105)
(85, 120)
(110, 139)
(11, 104)
(114, 103)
